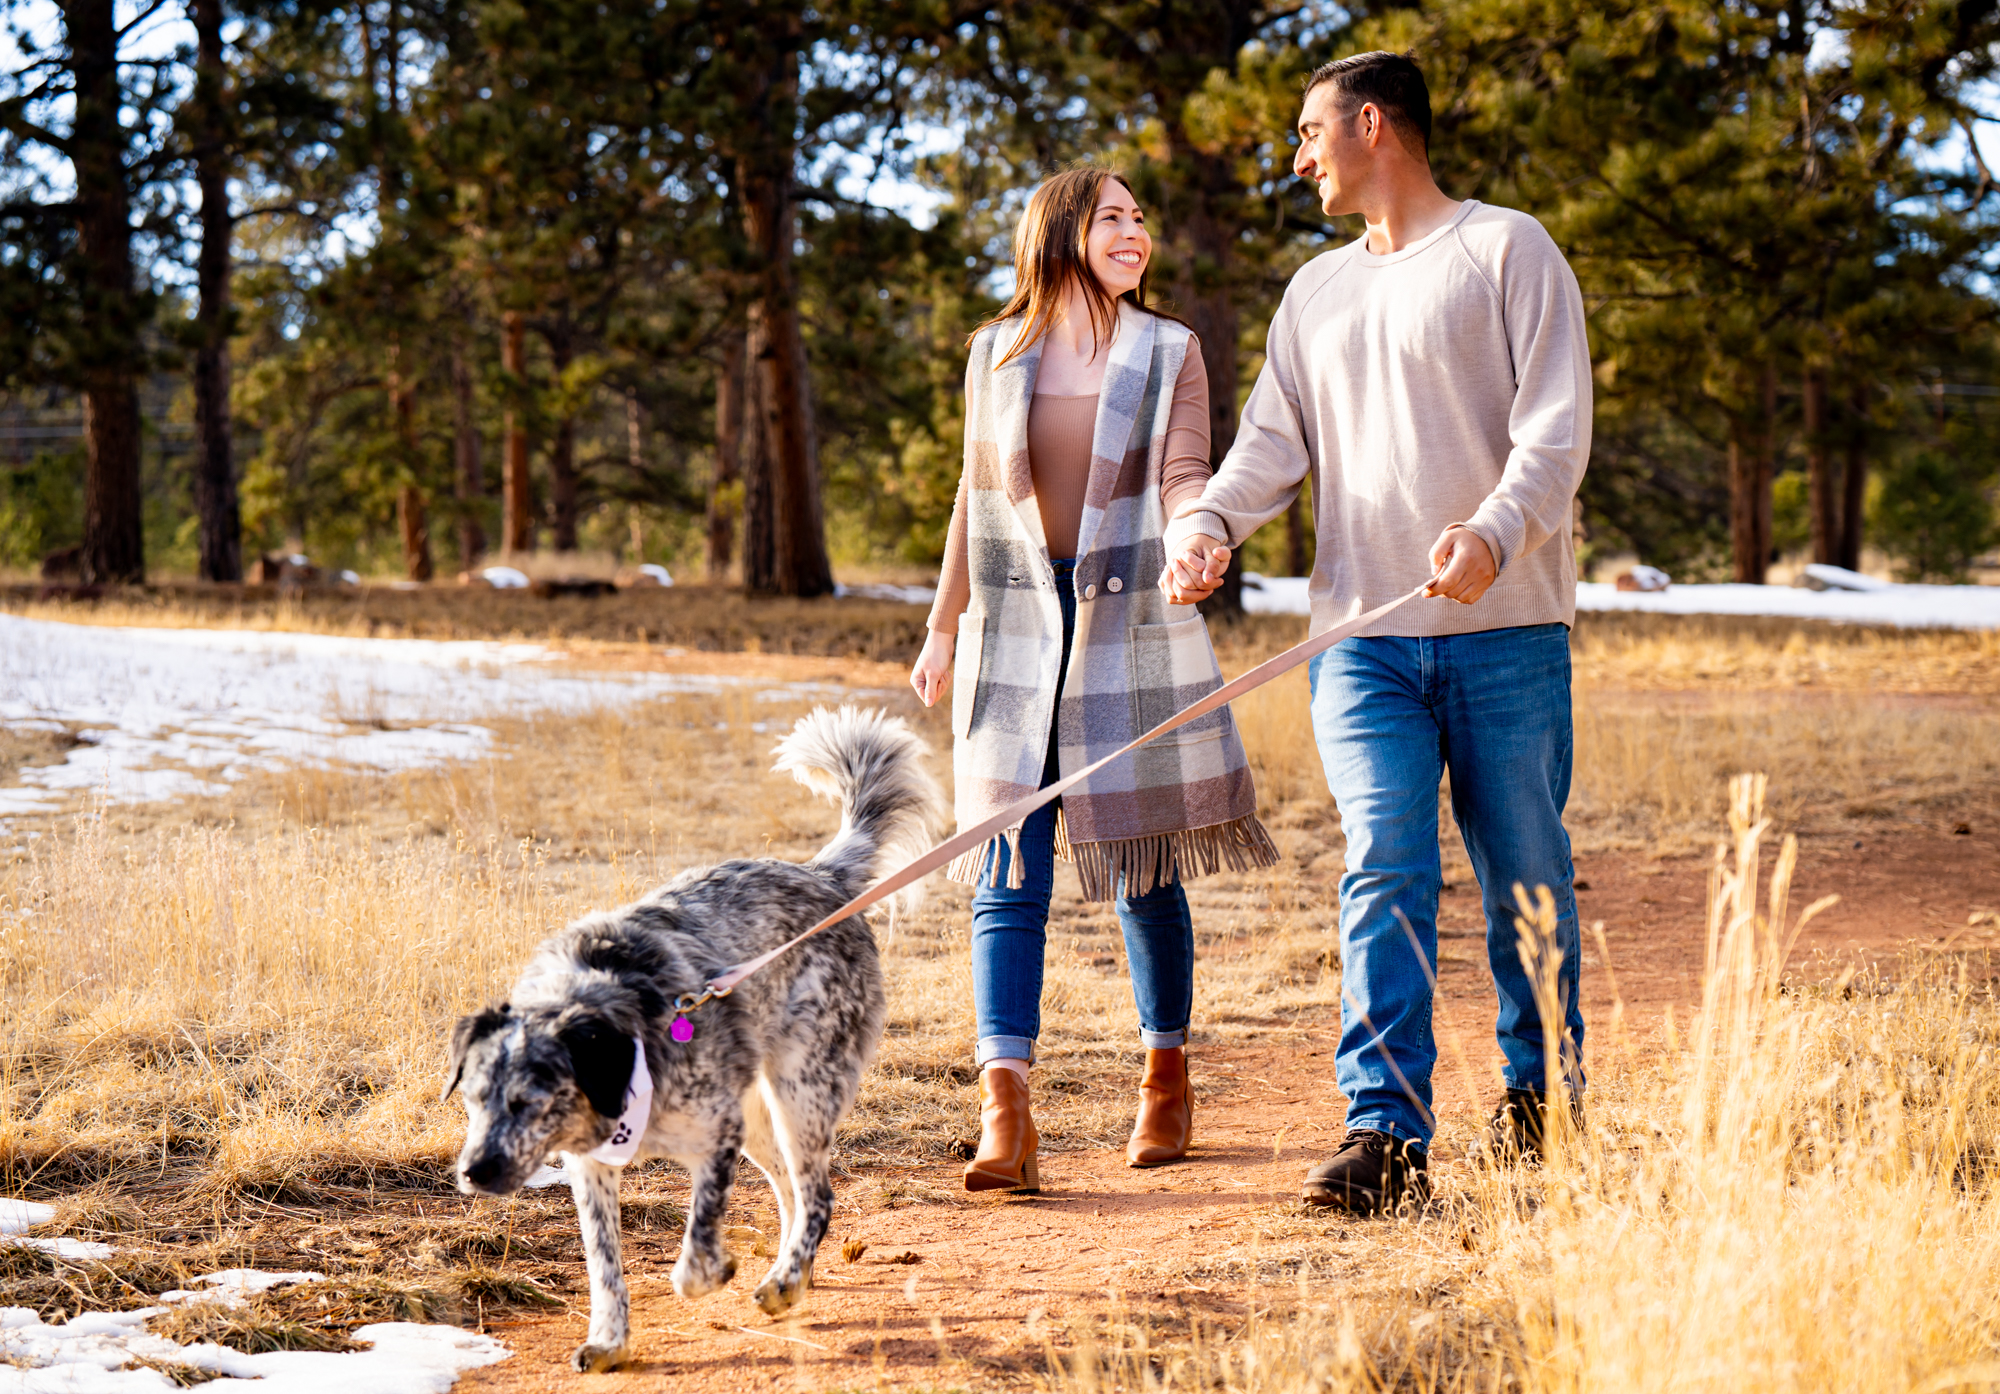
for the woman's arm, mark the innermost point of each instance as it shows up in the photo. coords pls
(932, 673)
(1186, 470)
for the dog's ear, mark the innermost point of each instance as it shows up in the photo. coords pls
(469, 1029)
(600, 1056)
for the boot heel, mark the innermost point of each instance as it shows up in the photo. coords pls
(1031, 1175)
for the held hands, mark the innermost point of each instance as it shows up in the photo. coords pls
(932, 674)
(1462, 565)
(1195, 567)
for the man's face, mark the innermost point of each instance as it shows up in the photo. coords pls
(1334, 151)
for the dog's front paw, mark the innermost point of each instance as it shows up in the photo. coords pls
(693, 1278)
(777, 1296)
(595, 1360)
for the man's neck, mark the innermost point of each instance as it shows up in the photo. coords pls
(1405, 211)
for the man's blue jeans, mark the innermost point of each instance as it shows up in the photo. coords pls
(1391, 715)
(1010, 929)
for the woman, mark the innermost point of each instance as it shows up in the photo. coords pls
(1086, 423)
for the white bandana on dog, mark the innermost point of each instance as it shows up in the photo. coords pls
(624, 1141)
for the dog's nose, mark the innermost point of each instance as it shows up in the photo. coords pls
(485, 1169)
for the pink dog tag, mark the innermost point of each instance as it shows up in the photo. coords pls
(682, 1030)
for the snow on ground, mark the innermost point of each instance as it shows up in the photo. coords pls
(96, 1352)
(168, 713)
(1907, 607)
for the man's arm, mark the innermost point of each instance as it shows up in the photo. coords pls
(1549, 427)
(1255, 482)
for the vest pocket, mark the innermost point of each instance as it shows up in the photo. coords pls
(1173, 666)
(965, 672)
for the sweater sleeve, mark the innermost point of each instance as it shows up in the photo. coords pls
(1549, 425)
(1185, 472)
(1262, 473)
(954, 590)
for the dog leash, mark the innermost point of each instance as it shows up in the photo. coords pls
(726, 981)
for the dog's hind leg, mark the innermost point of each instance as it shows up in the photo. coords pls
(804, 1129)
(761, 1147)
(595, 1189)
(704, 1265)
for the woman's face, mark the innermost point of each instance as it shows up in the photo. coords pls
(1118, 247)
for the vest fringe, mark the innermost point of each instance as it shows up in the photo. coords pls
(1141, 863)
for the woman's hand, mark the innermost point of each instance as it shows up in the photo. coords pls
(932, 675)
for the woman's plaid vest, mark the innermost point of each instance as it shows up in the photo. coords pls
(1181, 807)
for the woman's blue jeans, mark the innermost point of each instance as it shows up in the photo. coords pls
(1391, 716)
(1010, 927)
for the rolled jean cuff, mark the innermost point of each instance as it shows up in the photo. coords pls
(1004, 1048)
(1164, 1040)
(1401, 1131)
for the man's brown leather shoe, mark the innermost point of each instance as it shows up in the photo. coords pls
(1007, 1138)
(1166, 1111)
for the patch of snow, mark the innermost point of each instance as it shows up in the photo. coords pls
(93, 1353)
(232, 1287)
(1839, 578)
(547, 1176)
(170, 713)
(17, 1217)
(657, 573)
(1903, 606)
(908, 595)
(505, 578)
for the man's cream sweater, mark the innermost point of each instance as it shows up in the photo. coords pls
(1445, 383)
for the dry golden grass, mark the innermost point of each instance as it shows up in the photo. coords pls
(1797, 1192)
(222, 1007)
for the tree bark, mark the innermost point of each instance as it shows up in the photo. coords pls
(517, 524)
(114, 548)
(1296, 561)
(754, 459)
(1855, 486)
(1821, 497)
(728, 461)
(765, 172)
(215, 503)
(416, 527)
(467, 475)
(1202, 295)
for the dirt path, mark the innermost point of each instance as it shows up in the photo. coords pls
(960, 1291)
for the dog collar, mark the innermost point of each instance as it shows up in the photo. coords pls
(623, 1144)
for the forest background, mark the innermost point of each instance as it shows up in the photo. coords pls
(407, 283)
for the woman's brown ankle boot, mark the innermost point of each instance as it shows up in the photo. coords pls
(1007, 1137)
(1166, 1111)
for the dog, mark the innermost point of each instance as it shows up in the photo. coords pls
(769, 1070)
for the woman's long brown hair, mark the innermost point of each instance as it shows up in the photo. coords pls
(1051, 249)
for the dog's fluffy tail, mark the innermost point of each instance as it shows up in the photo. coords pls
(872, 765)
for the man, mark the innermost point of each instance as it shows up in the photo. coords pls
(1434, 380)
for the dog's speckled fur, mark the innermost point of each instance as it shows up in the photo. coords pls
(771, 1069)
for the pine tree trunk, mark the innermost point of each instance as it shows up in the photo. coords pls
(1202, 296)
(416, 527)
(1821, 498)
(754, 459)
(562, 446)
(1854, 487)
(221, 525)
(517, 525)
(1295, 535)
(114, 548)
(765, 173)
(728, 455)
(468, 477)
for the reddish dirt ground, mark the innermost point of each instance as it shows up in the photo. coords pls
(980, 1280)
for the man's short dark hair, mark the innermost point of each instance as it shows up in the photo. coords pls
(1392, 82)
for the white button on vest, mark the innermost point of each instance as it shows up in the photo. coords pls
(1090, 592)
(1114, 585)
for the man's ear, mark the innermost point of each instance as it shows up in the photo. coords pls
(600, 1056)
(469, 1029)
